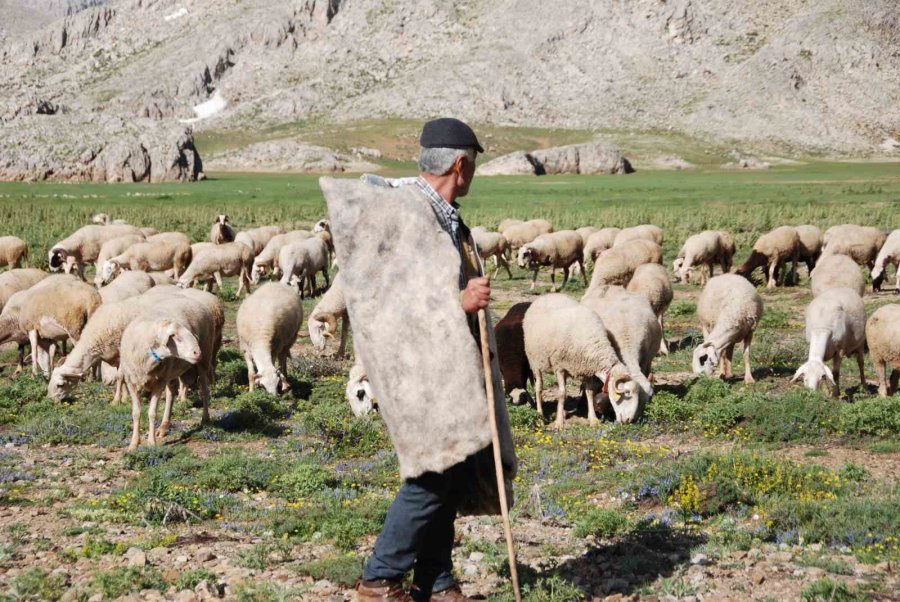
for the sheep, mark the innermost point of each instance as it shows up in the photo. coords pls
(493, 244)
(13, 252)
(226, 259)
(16, 280)
(617, 265)
(148, 232)
(652, 281)
(72, 253)
(322, 323)
(837, 271)
(810, 246)
(884, 346)
(267, 326)
(113, 248)
(598, 242)
(267, 259)
(568, 338)
(221, 231)
(860, 243)
(159, 347)
(57, 312)
(770, 252)
(520, 234)
(634, 332)
(103, 219)
(514, 366)
(705, 250)
(153, 255)
(835, 328)
(258, 238)
(359, 391)
(323, 225)
(301, 260)
(162, 277)
(10, 331)
(888, 255)
(508, 223)
(585, 232)
(729, 309)
(642, 232)
(129, 284)
(557, 250)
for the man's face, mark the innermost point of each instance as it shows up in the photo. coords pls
(465, 173)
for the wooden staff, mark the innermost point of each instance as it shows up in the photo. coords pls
(495, 440)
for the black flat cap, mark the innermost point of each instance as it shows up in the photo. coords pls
(448, 132)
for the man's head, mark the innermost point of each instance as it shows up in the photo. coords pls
(447, 158)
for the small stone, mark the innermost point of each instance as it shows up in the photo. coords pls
(470, 570)
(757, 577)
(186, 595)
(204, 555)
(181, 559)
(476, 556)
(815, 547)
(614, 598)
(782, 556)
(614, 585)
(650, 598)
(816, 573)
(136, 557)
(700, 559)
(739, 554)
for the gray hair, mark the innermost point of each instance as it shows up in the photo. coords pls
(438, 161)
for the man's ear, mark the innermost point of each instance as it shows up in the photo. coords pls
(459, 166)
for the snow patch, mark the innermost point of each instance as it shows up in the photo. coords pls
(176, 15)
(208, 108)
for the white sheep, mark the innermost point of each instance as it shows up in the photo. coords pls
(267, 259)
(13, 281)
(520, 234)
(129, 284)
(323, 320)
(13, 252)
(226, 259)
(771, 251)
(359, 391)
(258, 238)
(883, 337)
(585, 232)
(652, 281)
(301, 260)
(617, 265)
(221, 231)
(860, 243)
(888, 255)
(835, 328)
(729, 309)
(103, 219)
(837, 271)
(10, 331)
(150, 256)
(83, 246)
(267, 326)
(112, 248)
(508, 223)
(704, 250)
(568, 338)
(810, 245)
(492, 244)
(598, 242)
(558, 250)
(642, 232)
(323, 225)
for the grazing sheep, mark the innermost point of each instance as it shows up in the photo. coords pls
(598, 242)
(704, 250)
(520, 234)
(226, 259)
(162, 277)
(860, 243)
(835, 328)
(258, 238)
(56, 313)
(642, 232)
(155, 255)
(542, 226)
(884, 347)
(221, 231)
(13, 281)
(556, 250)
(103, 219)
(267, 326)
(148, 232)
(617, 265)
(72, 253)
(888, 255)
(159, 347)
(771, 251)
(837, 271)
(129, 284)
(13, 252)
(323, 225)
(10, 331)
(585, 232)
(568, 338)
(634, 332)
(267, 259)
(301, 260)
(514, 366)
(810, 246)
(729, 309)
(508, 223)
(322, 323)
(493, 244)
(359, 391)
(113, 248)
(652, 281)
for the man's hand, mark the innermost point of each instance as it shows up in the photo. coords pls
(476, 295)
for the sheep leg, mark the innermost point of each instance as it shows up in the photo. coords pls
(312, 284)
(163, 429)
(33, 339)
(204, 397)
(135, 418)
(663, 346)
(343, 344)
(282, 365)
(583, 272)
(539, 392)
(895, 379)
(51, 352)
(836, 372)
(20, 364)
(565, 279)
(117, 396)
(533, 279)
(218, 277)
(590, 394)
(251, 372)
(727, 354)
(748, 375)
(794, 278)
(861, 363)
(773, 267)
(151, 417)
(509, 272)
(881, 372)
(326, 276)
(182, 389)
(561, 407)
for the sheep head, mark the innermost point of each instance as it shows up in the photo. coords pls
(62, 382)
(705, 359)
(175, 340)
(812, 373)
(676, 269)
(624, 393)
(359, 394)
(257, 272)
(101, 219)
(57, 259)
(319, 330)
(272, 380)
(323, 225)
(109, 271)
(223, 220)
(526, 256)
(877, 277)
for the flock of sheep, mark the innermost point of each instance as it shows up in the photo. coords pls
(144, 327)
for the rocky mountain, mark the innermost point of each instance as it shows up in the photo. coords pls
(810, 75)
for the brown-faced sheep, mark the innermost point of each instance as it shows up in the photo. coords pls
(221, 231)
(770, 252)
(226, 259)
(514, 366)
(72, 253)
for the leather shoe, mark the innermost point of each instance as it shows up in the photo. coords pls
(451, 594)
(382, 590)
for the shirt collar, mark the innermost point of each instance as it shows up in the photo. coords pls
(435, 196)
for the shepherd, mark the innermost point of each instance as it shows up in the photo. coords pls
(414, 287)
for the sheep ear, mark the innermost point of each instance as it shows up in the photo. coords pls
(829, 375)
(166, 332)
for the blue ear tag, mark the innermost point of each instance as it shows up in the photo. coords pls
(155, 355)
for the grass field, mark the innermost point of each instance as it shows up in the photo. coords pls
(722, 491)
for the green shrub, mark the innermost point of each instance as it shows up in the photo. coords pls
(191, 579)
(599, 522)
(830, 590)
(801, 415)
(524, 417)
(303, 480)
(879, 416)
(681, 308)
(666, 409)
(327, 415)
(236, 471)
(705, 390)
(841, 521)
(37, 584)
(126, 580)
(342, 570)
(255, 412)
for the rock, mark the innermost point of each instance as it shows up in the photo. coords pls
(181, 559)
(757, 577)
(614, 585)
(782, 556)
(186, 595)
(476, 556)
(204, 555)
(135, 557)
(671, 162)
(700, 559)
(470, 569)
(747, 163)
(518, 163)
(287, 154)
(587, 158)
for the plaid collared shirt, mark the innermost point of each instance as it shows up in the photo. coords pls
(447, 213)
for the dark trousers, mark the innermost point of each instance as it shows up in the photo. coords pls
(418, 533)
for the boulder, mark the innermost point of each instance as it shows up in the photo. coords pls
(287, 154)
(518, 163)
(587, 159)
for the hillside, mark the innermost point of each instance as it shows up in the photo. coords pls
(785, 75)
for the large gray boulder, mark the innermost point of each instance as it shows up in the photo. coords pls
(587, 159)
(287, 154)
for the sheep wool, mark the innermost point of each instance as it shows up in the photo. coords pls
(267, 326)
(883, 337)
